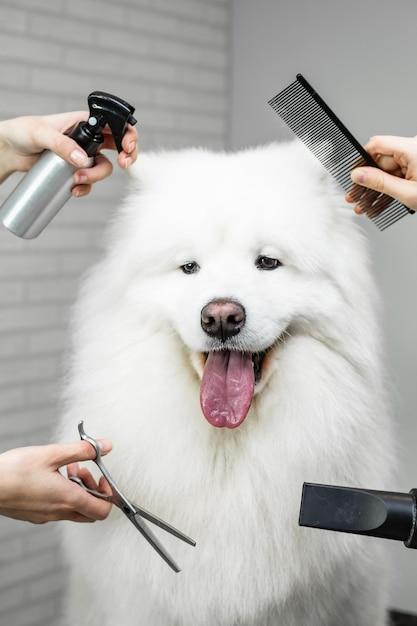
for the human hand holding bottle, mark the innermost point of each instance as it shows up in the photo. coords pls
(23, 139)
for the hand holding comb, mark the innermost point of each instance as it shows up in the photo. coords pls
(312, 120)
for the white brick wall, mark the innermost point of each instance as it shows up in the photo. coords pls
(169, 58)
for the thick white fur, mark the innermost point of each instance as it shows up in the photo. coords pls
(321, 414)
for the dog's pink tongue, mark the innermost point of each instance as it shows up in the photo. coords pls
(227, 388)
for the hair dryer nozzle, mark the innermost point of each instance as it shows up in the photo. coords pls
(383, 514)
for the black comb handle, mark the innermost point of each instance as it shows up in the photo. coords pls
(355, 143)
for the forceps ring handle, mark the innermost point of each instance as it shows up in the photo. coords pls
(93, 492)
(119, 498)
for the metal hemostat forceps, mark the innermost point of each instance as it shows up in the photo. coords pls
(133, 512)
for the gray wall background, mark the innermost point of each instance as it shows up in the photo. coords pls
(169, 57)
(362, 58)
(193, 83)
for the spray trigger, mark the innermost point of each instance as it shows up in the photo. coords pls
(108, 109)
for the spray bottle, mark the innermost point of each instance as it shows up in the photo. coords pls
(47, 186)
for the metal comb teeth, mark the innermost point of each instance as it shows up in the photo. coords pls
(310, 118)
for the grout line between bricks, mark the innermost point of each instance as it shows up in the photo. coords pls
(197, 65)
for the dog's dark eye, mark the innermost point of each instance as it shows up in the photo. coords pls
(267, 263)
(190, 268)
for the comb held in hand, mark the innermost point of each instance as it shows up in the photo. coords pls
(312, 120)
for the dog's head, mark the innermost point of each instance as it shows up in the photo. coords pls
(235, 253)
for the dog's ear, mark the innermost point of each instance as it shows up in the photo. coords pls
(151, 168)
(299, 158)
(314, 166)
(309, 161)
(141, 172)
(156, 170)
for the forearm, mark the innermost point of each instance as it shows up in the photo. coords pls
(6, 167)
(8, 487)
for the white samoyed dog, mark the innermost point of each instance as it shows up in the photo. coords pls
(228, 345)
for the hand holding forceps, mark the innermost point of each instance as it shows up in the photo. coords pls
(133, 512)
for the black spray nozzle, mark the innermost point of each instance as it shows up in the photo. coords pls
(111, 110)
(104, 108)
(384, 514)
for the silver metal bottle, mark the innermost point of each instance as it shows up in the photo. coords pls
(47, 186)
(39, 195)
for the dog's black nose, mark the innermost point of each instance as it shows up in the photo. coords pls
(222, 318)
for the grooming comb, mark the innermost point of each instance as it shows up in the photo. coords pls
(312, 120)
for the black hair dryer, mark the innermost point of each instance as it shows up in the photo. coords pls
(384, 514)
